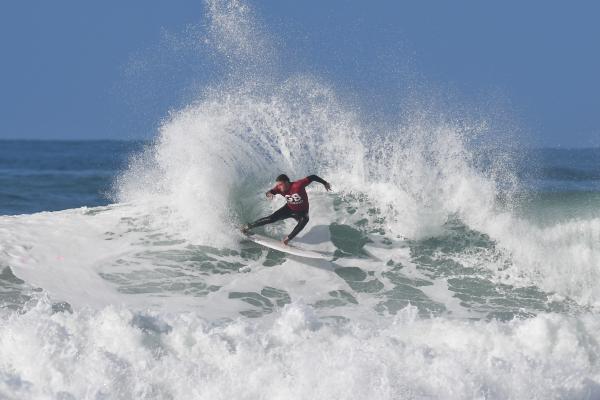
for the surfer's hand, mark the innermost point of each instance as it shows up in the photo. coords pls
(269, 195)
(285, 240)
(327, 186)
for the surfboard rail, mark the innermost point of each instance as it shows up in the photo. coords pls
(289, 249)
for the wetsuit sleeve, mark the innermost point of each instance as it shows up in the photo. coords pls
(315, 178)
(304, 181)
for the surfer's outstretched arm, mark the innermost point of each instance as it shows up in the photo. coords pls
(315, 178)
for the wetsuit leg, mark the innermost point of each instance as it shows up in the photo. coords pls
(283, 213)
(302, 221)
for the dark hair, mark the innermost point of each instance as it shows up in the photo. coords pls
(282, 178)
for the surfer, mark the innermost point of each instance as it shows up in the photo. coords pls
(296, 203)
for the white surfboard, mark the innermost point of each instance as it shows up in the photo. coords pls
(290, 248)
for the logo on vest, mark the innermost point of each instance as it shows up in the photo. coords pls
(294, 198)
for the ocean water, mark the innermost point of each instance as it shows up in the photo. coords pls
(459, 267)
(47, 175)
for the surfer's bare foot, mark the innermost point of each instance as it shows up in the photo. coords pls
(285, 240)
(245, 229)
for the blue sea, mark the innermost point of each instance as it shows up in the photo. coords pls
(49, 175)
(458, 262)
(45, 175)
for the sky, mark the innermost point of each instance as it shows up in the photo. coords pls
(106, 70)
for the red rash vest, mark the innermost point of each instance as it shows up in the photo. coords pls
(296, 197)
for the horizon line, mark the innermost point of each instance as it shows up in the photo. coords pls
(554, 147)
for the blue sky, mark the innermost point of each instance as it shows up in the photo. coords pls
(67, 67)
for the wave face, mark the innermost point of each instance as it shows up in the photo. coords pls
(459, 267)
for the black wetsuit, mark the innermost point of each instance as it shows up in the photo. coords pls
(287, 210)
(284, 213)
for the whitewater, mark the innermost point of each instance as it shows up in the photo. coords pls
(446, 278)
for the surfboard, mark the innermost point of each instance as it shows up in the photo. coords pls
(290, 248)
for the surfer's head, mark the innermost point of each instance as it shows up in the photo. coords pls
(282, 182)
